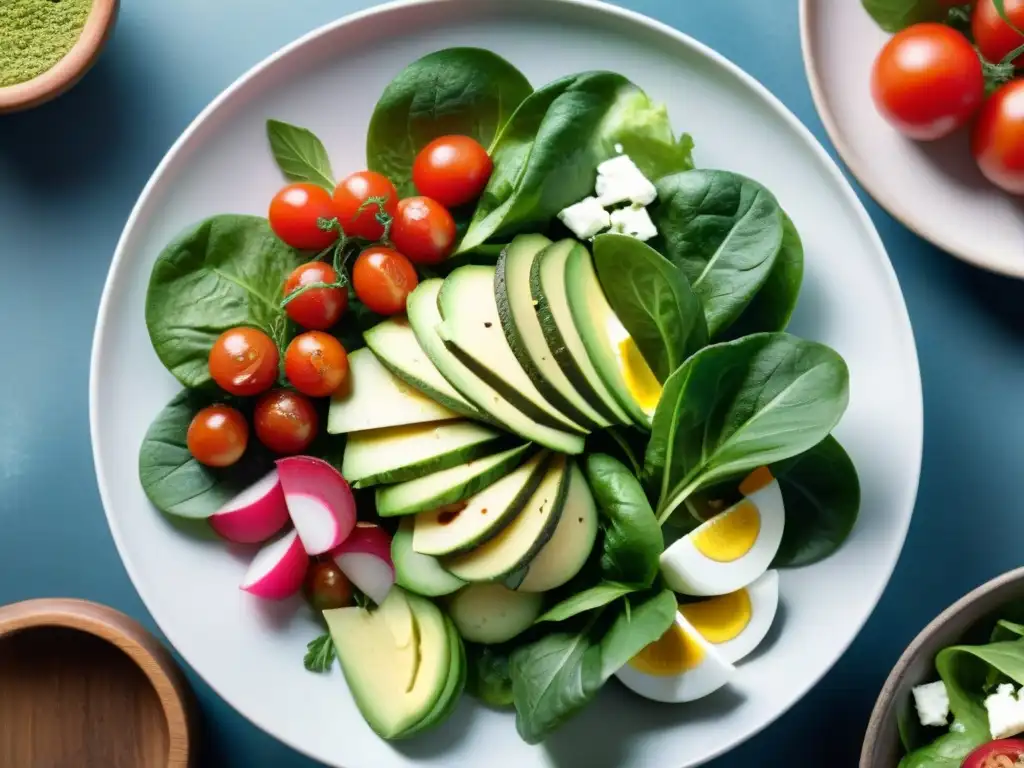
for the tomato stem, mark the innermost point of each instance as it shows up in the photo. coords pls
(383, 218)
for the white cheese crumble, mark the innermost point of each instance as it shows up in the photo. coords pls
(620, 181)
(932, 703)
(1005, 712)
(635, 222)
(585, 218)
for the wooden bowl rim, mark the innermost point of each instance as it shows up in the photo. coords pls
(69, 70)
(114, 627)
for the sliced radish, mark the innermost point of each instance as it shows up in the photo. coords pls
(319, 502)
(278, 569)
(365, 558)
(254, 515)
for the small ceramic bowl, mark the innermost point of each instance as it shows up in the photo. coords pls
(917, 664)
(85, 685)
(70, 69)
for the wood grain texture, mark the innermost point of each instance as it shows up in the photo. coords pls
(83, 685)
(70, 69)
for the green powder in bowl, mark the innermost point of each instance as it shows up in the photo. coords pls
(36, 34)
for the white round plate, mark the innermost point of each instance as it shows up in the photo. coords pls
(934, 188)
(251, 654)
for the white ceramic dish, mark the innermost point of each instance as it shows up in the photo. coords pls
(934, 188)
(251, 655)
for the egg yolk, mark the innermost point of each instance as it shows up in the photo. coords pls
(640, 380)
(730, 535)
(721, 618)
(674, 652)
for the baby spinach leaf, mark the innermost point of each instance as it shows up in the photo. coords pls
(1006, 630)
(653, 300)
(724, 231)
(738, 405)
(466, 91)
(635, 628)
(597, 596)
(822, 498)
(546, 156)
(300, 154)
(488, 677)
(226, 271)
(632, 539)
(949, 750)
(894, 15)
(773, 305)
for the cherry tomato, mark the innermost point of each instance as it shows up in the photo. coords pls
(423, 230)
(998, 138)
(1003, 753)
(993, 36)
(285, 421)
(217, 436)
(318, 308)
(326, 586)
(243, 361)
(452, 170)
(294, 212)
(316, 363)
(927, 81)
(352, 194)
(383, 279)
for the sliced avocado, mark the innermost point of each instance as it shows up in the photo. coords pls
(394, 454)
(472, 522)
(376, 669)
(424, 316)
(395, 345)
(421, 574)
(521, 539)
(473, 331)
(594, 319)
(516, 308)
(548, 287)
(375, 398)
(449, 698)
(491, 613)
(571, 544)
(449, 486)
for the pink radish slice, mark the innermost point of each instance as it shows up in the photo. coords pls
(255, 514)
(278, 569)
(319, 501)
(365, 558)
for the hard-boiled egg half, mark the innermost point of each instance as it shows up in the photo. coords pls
(733, 548)
(640, 380)
(736, 623)
(680, 666)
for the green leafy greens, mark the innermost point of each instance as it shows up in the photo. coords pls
(300, 154)
(320, 654)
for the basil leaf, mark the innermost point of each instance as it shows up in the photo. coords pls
(636, 627)
(226, 271)
(894, 15)
(488, 677)
(300, 154)
(724, 231)
(653, 300)
(465, 91)
(589, 599)
(320, 654)
(735, 406)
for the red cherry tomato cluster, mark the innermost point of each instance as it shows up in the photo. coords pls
(362, 214)
(930, 79)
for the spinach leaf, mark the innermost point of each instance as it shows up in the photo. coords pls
(589, 599)
(950, 749)
(625, 443)
(632, 538)
(300, 154)
(1006, 630)
(738, 405)
(488, 677)
(894, 15)
(224, 272)
(724, 231)
(653, 300)
(546, 156)
(635, 628)
(773, 305)
(821, 492)
(466, 91)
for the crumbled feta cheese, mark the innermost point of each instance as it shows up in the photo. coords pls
(585, 218)
(619, 180)
(932, 703)
(635, 222)
(1005, 712)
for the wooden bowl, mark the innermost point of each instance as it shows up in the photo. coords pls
(917, 664)
(70, 69)
(84, 685)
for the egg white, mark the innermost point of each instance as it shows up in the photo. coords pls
(764, 604)
(689, 571)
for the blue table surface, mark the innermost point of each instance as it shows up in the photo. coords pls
(70, 172)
